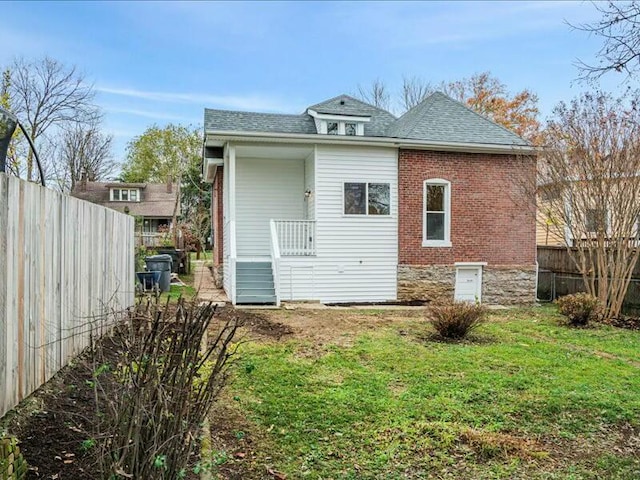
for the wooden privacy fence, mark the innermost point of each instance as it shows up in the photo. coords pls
(64, 264)
(557, 259)
(558, 276)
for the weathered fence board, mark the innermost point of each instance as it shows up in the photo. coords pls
(64, 264)
(557, 259)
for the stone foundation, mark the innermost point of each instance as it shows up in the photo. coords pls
(508, 285)
(426, 283)
(218, 275)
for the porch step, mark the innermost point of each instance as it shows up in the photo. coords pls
(254, 284)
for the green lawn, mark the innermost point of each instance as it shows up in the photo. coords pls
(176, 291)
(206, 255)
(528, 398)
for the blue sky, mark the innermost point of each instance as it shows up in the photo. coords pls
(160, 62)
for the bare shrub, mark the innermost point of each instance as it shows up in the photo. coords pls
(579, 308)
(455, 320)
(166, 378)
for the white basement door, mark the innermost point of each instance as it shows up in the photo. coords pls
(468, 283)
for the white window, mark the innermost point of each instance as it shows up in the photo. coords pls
(125, 195)
(367, 198)
(350, 129)
(347, 128)
(437, 213)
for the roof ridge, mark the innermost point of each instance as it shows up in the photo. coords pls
(255, 113)
(352, 98)
(482, 116)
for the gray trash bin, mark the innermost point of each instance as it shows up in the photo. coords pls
(161, 263)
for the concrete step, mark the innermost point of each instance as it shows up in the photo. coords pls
(253, 266)
(256, 299)
(254, 283)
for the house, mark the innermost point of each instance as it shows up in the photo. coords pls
(152, 203)
(347, 203)
(582, 213)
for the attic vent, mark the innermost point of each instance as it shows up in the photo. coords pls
(341, 102)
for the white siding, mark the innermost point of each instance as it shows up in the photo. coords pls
(356, 255)
(266, 189)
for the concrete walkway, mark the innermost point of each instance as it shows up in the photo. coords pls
(203, 283)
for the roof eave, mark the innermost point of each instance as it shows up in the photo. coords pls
(215, 137)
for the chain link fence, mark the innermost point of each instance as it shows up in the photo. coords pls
(552, 285)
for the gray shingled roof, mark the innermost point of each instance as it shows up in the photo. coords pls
(156, 201)
(227, 120)
(440, 118)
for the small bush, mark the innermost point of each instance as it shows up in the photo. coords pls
(455, 320)
(579, 308)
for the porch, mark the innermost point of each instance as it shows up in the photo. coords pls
(269, 214)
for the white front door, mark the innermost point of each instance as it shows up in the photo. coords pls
(468, 284)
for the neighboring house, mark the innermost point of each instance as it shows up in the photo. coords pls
(590, 216)
(347, 203)
(152, 203)
(550, 229)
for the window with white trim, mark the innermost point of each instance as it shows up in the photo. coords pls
(367, 198)
(338, 127)
(437, 213)
(125, 194)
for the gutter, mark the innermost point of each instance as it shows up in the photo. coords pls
(218, 138)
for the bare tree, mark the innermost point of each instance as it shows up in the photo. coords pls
(414, 91)
(619, 28)
(84, 152)
(481, 92)
(46, 94)
(376, 94)
(589, 186)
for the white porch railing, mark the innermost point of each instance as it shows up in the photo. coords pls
(296, 237)
(275, 260)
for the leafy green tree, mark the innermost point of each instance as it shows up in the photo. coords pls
(161, 153)
(173, 151)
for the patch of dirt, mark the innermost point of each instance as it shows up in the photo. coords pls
(53, 424)
(338, 326)
(256, 322)
(56, 425)
(622, 440)
(629, 323)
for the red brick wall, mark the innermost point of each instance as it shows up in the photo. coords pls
(217, 217)
(490, 220)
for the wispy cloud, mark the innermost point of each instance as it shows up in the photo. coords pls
(148, 114)
(459, 24)
(248, 102)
